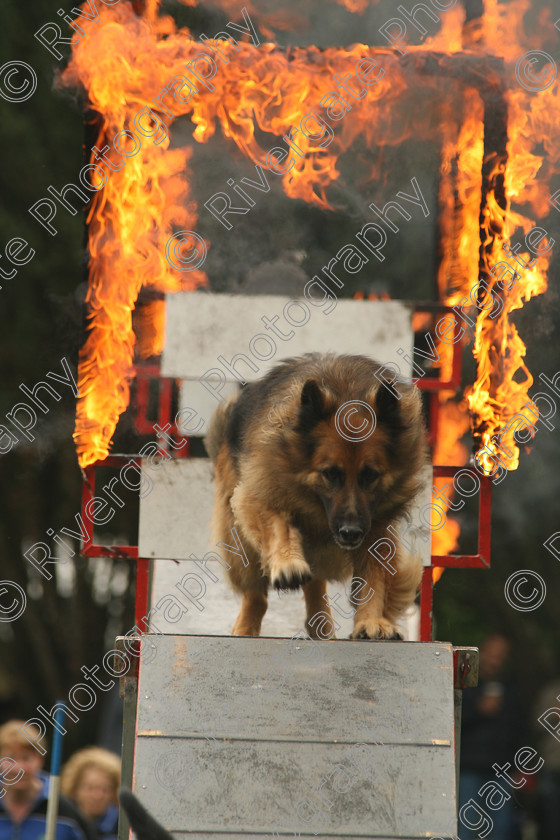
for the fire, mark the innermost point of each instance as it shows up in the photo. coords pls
(145, 195)
(503, 380)
(124, 62)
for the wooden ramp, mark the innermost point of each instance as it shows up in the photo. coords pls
(275, 737)
(233, 737)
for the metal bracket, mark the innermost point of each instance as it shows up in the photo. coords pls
(465, 667)
(124, 645)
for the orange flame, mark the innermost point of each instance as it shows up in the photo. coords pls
(124, 62)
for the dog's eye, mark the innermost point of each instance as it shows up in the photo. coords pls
(369, 475)
(332, 474)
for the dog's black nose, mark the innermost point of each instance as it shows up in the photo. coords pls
(351, 534)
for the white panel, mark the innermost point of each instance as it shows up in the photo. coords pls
(175, 514)
(202, 326)
(213, 611)
(175, 523)
(193, 395)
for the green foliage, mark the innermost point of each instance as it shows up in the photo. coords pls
(41, 321)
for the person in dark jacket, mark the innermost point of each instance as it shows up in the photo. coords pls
(492, 729)
(91, 779)
(23, 803)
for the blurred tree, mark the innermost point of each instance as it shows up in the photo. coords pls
(69, 620)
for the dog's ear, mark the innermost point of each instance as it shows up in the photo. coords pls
(388, 401)
(312, 397)
(143, 824)
(312, 405)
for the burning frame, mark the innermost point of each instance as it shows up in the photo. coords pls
(146, 192)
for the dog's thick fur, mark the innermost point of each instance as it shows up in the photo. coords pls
(307, 503)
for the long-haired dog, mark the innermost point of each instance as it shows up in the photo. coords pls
(312, 463)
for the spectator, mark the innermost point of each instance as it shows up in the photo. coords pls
(91, 779)
(23, 807)
(492, 729)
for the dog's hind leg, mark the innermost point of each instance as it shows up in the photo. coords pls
(319, 621)
(253, 608)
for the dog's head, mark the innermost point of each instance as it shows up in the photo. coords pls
(362, 454)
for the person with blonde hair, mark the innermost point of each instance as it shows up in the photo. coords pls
(91, 779)
(24, 790)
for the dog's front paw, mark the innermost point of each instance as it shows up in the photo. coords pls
(381, 629)
(290, 574)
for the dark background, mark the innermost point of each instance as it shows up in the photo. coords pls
(72, 620)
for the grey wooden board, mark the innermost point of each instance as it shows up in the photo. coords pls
(233, 733)
(323, 683)
(175, 515)
(201, 326)
(252, 786)
(200, 835)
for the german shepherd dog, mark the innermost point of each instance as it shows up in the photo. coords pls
(312, 463)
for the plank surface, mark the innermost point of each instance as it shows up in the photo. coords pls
(200, 327)
(270, 787)
(216, 835)
(215, 607)
(368, 685)
(193, 396)
(261, 737)
(175, 515)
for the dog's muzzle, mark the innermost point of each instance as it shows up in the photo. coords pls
(349, 536)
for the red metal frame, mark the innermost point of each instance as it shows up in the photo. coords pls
(435, 384)
(426, 604)
(144, 375)
(143, 425)
(481, 560)
(91, 549)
